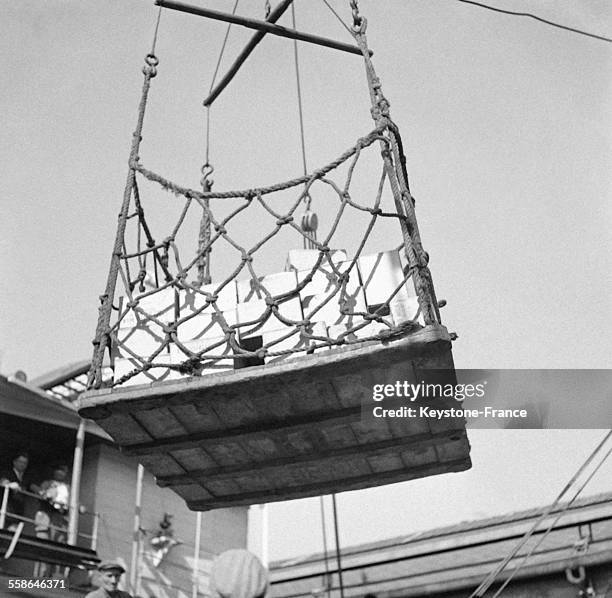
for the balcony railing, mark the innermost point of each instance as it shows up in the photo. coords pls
(91, 539)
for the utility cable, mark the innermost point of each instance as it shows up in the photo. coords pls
(551, 526)
(335, 13)
(338, 557)
(214, 77)
(325, 552)
(309, 220)
(488, 581)
(156, 30)
(299, 94)
(540, 19)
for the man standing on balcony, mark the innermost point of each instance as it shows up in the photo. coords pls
(110, 575)
(16, 479)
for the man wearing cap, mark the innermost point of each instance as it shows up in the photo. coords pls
(110, 573)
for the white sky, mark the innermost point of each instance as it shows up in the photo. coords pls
(507, 129)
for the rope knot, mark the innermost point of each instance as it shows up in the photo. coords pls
(384, 106)
(271, 301)
(284, 220)
(149, 69)
(220, 229)
(358, 20)
(247, 258)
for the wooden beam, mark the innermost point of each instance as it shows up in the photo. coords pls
(263, 467)
(259, 25)
(327, 487)
(276, 13)
(242, 433)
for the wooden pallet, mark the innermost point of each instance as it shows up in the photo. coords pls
(303, 427)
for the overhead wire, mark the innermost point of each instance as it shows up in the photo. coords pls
(490, 579)
(156, 30)
(338, 555)
(214, 77)
(299, 93)
(325, 552)
(566, 506)
(309, 220)
(335, 13)
(535, 17)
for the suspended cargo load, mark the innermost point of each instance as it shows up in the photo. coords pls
(263, 385)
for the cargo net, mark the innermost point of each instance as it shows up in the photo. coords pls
(169, 319)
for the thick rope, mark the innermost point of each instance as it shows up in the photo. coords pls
(185, 276)
(300, 330)
(207, 169)
(101, 339)
(375, 135)
(398, 179)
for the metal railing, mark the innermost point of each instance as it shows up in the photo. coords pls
(92, 538)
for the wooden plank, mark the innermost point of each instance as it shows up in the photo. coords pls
(98, 404)
(191, 492)
(419, 456)
(274, 15)
(210, 439)
(260, 25)
(123, 428)
(194, 458)
(226, 452)
(385, 462)
(161, 465)
(389, 446)
(159, 423)
(355, 483)
(196, 417)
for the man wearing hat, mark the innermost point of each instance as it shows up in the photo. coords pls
(110, 573)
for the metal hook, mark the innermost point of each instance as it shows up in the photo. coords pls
(206, 171)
